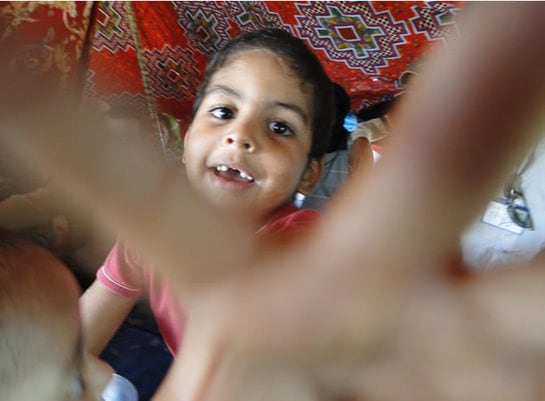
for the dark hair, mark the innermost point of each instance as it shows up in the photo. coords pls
(376, 110)
(339, 134)
(301, 60)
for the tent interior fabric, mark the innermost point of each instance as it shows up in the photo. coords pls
(153, 54)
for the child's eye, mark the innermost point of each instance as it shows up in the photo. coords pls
(280, 128)
(222, 113)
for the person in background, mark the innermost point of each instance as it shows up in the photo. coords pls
(511, 230)
(344, 155)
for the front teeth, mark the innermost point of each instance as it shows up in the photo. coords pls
(223, 169)
(245, 176)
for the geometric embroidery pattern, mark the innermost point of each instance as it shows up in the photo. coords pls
(89, 84)
(173, 72)
(112, 29)
(364, 46)
(436, 20)
(206, 32)
(135, 101)
(352, 33)
(252, 15)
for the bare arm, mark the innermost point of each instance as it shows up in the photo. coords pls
(102, 312)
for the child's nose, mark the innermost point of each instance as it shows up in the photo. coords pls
(244, 142)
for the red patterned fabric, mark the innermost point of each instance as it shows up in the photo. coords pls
(43, 40)
(50, 36)
(364, 46)
(153, 54)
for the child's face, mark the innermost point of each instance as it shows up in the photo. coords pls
(247, 147)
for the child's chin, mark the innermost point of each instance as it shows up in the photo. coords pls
(229, 203)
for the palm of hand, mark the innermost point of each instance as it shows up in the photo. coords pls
(442, 340)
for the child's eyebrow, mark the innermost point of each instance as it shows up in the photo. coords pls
(224, 89)
(293, 107)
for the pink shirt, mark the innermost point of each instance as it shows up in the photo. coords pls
(124, 274)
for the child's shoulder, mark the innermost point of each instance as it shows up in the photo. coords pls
(289, 220)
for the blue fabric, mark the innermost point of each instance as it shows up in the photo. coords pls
(350, 121)
(138, 352)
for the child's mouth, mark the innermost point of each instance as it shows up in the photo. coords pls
(232, 174)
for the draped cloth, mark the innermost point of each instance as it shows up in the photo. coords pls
(153, 54)
(364, 46)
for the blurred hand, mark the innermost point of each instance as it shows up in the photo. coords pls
(362, 306)
(449, 341)
(365, 308)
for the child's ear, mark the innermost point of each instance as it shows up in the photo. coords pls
(311, 176)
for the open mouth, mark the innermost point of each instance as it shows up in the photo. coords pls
(233, 174)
